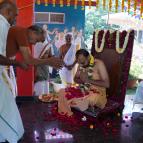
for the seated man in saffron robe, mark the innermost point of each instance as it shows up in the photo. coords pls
(92, 79)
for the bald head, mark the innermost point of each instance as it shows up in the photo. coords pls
(9, 10)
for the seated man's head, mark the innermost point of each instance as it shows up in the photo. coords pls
(83, 57)
(35, 34)
(68, 38)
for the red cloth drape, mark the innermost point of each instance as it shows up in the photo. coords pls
(25, 79)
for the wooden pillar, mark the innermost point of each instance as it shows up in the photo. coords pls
(25, 79)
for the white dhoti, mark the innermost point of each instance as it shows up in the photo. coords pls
(11, 127)
(67, 76)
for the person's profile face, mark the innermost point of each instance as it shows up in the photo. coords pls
(83, 61)
(34, 38)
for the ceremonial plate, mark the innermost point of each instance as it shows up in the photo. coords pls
(48, 98)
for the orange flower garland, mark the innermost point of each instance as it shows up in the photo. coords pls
(129, 5)
(68, 2)
(83, 4)
(141, 8)
(123, 4)
(61, 3)
(75, 4)
(104, 4)
(46, 2)
(54, 3)
(110, 5)
(135, 6)
(97, 3)
(116, 6)
(38, 2)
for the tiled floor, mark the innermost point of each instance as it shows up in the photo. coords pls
(38, 119)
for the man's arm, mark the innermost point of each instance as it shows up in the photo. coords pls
(6, 61)
(54, 62)
(104, 78)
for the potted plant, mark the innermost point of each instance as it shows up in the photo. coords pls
(134, 73)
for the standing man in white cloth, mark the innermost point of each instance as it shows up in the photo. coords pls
(42, 50)
(67, 53)
(11, 127)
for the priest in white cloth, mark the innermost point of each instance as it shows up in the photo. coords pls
(42, 50)
(11, 127)
(67, 53)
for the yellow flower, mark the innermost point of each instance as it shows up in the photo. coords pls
(91, 60)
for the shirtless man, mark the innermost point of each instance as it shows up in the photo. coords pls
(93, 80)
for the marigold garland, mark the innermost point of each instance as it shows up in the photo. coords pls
(141, 12)
(123, 4)
(97, 3)
(75, 4)
(61, 3)
(116, 6)
(110, 5)
(46, 2)
(129, 5)
(38, 2)
(54, 3)
(68, 2)
(91, 60)
(82, 4)
(135, 6)
(104, 4)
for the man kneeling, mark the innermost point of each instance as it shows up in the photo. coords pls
(92, 79)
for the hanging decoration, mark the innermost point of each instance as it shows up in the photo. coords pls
(75, 4)
(61, 3)
(118, 49)
(97, 3)
(104, 4)
(123, 4)
(68, 2)
(46, 2)
(83, 5)
(141, 12)
(116, 5)
(54, 3)
(110, 5)
(129, 5)
(38, 2)
(135, 6)
(98, 48)
(90, 3)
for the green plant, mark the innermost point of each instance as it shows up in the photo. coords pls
(136, 69)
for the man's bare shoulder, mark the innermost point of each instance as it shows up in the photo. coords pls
(99, 62)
